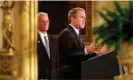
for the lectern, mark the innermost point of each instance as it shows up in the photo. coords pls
(101, 67)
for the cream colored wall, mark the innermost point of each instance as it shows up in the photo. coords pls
(98, 6)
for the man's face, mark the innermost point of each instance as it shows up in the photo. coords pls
(79, 20)
(43, 23)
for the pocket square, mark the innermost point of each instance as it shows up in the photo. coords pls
(38, 41)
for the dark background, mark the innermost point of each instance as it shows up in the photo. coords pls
(58, 13)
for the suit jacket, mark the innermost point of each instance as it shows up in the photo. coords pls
(47, 68)
(71, 53)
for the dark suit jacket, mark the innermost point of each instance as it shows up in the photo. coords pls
(71, 54)
(47, 68)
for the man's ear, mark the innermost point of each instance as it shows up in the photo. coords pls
(72, 18)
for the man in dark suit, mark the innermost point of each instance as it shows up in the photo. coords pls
(71, 49)
(47, 50)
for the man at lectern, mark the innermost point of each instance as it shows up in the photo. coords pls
(71, 48)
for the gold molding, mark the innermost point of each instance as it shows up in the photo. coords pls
(24, 40)
(29, 39)
(88, 30)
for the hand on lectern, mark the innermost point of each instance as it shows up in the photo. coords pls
(91, 47)
(104, 49)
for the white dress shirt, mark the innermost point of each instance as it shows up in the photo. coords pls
(42, 35)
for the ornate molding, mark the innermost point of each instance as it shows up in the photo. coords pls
(6, 65)
(22, 65)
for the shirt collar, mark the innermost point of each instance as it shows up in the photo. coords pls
(43, 34)
(75, 29)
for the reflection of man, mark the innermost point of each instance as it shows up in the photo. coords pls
(71, 48)
(47, 50)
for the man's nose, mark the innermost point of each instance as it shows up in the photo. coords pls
(84, 20)
(44, 23)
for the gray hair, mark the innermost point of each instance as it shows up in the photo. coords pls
(73, 12)
(42, 13)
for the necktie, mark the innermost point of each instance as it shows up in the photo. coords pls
(47, 45)
(80, 39)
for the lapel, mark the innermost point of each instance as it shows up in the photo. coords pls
(50, 46)
(75, 36)
(40, 40)
(41, 46)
